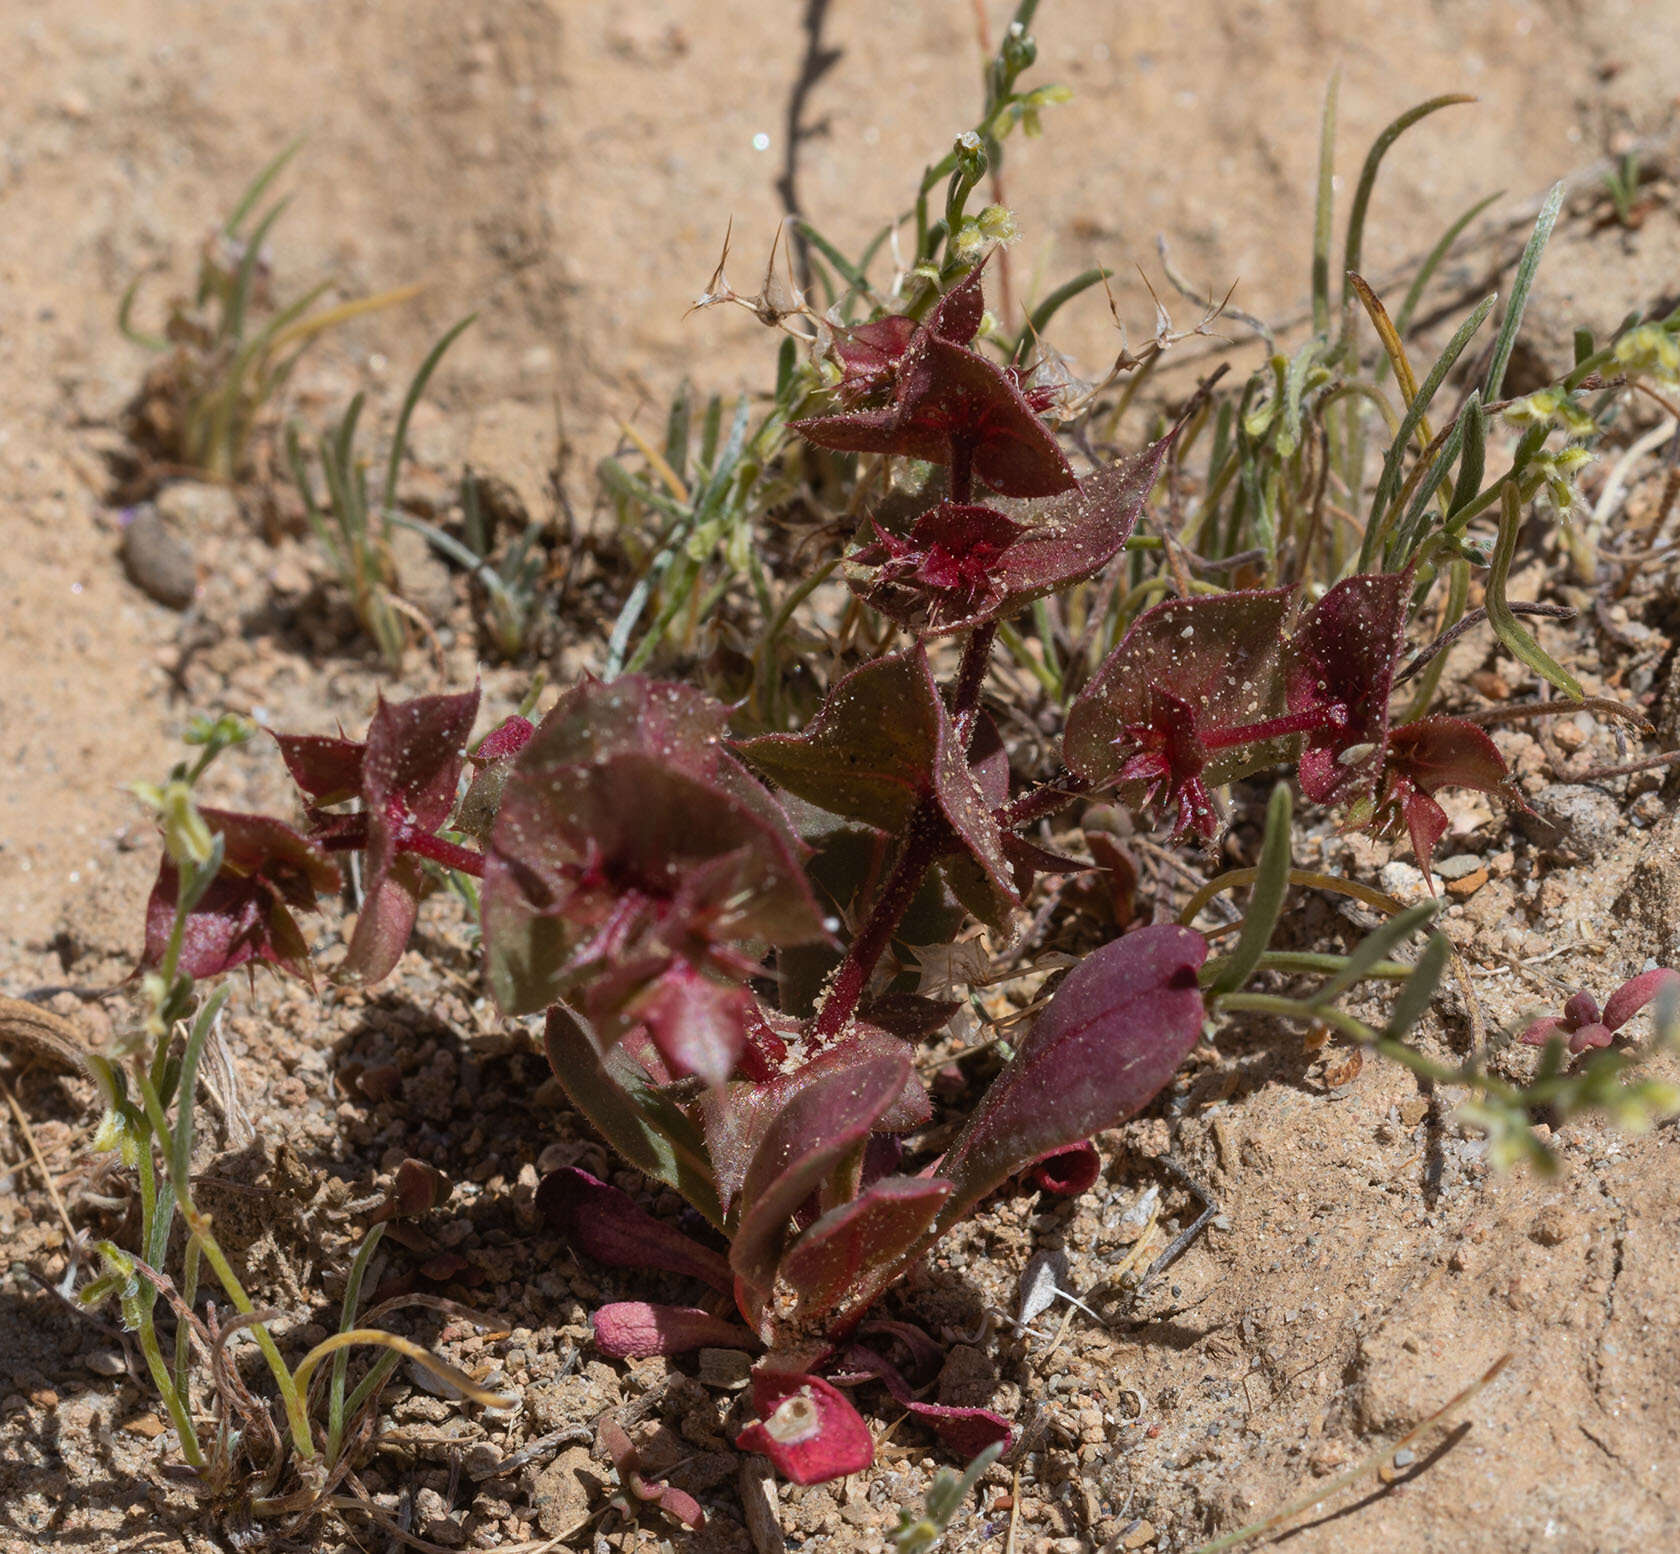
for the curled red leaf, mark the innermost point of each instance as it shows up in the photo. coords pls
(807, 1428)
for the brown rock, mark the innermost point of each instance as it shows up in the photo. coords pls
(561, 1492)
(1467, 885)
(158, 561)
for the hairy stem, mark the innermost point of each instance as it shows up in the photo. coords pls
(440, 850)
(923, 841)
(919, 849)
(971, 676)
(1039, 802)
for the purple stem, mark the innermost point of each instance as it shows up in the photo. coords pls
(1304, 722)
(450, 854)
(921, 847)
(1039, 802)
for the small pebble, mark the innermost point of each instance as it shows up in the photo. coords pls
(107, 1362)
(158, 562)
(1458, 866)
(1467, 885)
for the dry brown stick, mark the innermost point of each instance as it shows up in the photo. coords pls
(1377, 1459)
(40, 1164)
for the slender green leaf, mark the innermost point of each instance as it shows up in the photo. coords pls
(1505, 341)
(1265, 902)
(233, 324)
(1367, 182)
(1053, 304)
(260, 185)
(1432, 261)
(1374, 949)
(643, 1125)
(1323, 214)
(1388, 481)
(346, 1321)
(1412, 1001)
(1505, 624)
(388, 498)
(181, 1131)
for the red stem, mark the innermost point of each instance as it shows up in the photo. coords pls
(1271, 728)
(971, 676)
(962, 468)
(920, 848)
(450, 854)
(1039, 802)
(923, 839)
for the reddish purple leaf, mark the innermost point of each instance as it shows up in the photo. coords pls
(405, 774)
(808, 1429)
(413, 758)
(1185, 675)
(327, 769)
(883, 741)
(1632, 996)
(1067, 1172)
(506, 739)
(630, 856)
(635, 1329)
(1114, 1034)
(737, 1117)
(949, 405)
(1586, 1027)
(827, 1117)
(493, 764)
(268, 870)
(1341, 666)
(967, 1431)
(632, 1475)
(1426, 756)
(608, 1225)
(848, 1257)
(962, 565)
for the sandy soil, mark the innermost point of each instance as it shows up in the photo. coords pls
(567, 170)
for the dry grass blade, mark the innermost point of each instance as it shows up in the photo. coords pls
(40, 1164)
(1375, 1460)
(377, 1338)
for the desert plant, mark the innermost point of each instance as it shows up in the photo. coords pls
(712, 905)
(353, 528)
(512, 583)
(224, 897)
(229, 350)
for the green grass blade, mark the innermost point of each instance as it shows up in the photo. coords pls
(1354, 246)
(1412, 1002)
(347, 1320)
(1265, 902)
(416, 388)
(676, 430)
(1389, 480)
(233, 322)
(125, 321)
(1409, 531)
(259, 186)
(1468, 486)
(1506, 626)
(1051, 305)
(1323, 213)
(1506, 340)
(1374, 949)
(1432, 261)
(849, 272)
(181, 1130)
